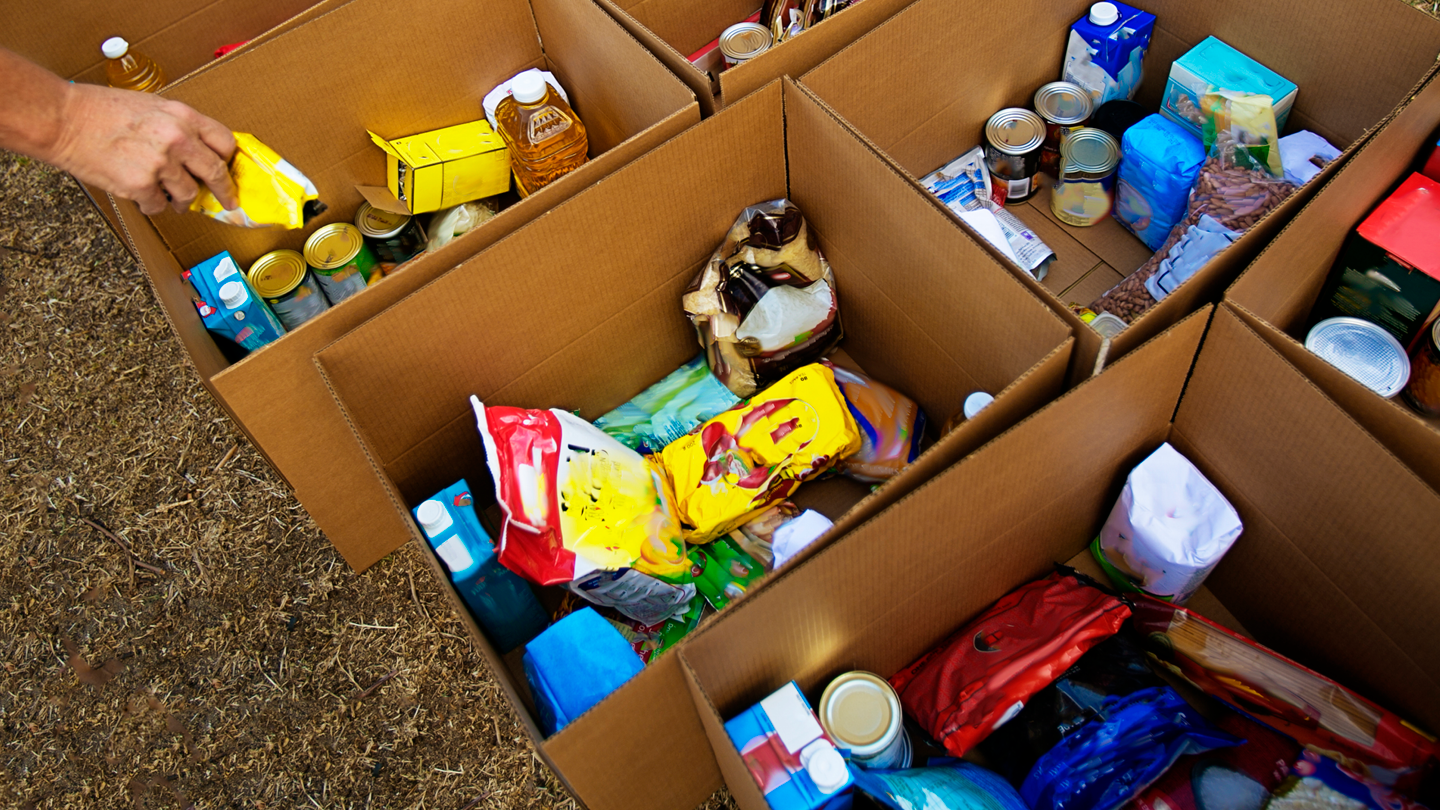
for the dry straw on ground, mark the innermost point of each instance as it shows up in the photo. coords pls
(177, 632)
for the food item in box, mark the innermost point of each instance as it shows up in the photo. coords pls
(963, 185)
(1168, 530)
(1240, 129)
(862, 713)
(545, 137)
(638, 596)
(1084, 192)
(1106, 763)
(228, 307)
(1317, 712)
(1388, 271)
(757, 535)
(341, 261)
(1319, 783)
(1213, 65)
(945, 784)
(723, 571)
(283, 280)
(1013, 137)
(1430, 159)
(393, 238)
(742, 42)
(1423, 390)
(795, 536)
(502, 604)
(982, 675)
(787, 751)
(1064, 107)
(575, 500)
(1105, 53)
(576, 663)
(271, 192)
(890, 423)
(668, 409)
(1237, 777)
(1304, 155)
(736, 465)
(432, 170)
(1113, 668)
(765, 304)
(1197, 245)
(1363, 350)
(1160, 161)
(650, 640)
(449, 223)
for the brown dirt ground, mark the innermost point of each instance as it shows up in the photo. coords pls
(176, 630)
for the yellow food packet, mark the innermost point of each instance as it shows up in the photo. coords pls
(733, 467)
(271, 191)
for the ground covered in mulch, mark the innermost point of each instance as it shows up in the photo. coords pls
(176, 630)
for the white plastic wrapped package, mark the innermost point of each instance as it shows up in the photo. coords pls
(1202, 242)
(1168, 530)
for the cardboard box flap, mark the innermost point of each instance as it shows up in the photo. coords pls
(385, 144)
(380, 197)
(1336, 565)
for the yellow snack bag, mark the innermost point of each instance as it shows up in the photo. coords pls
(738, 464)
(270, 190)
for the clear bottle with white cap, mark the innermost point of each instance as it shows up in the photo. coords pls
(128, 69)
(546, 138)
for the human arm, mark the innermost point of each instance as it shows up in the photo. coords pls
(138, 146)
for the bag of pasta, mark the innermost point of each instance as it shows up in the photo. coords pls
(271, 191)
(765, 303)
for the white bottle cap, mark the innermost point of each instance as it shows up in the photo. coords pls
(233, 295)
(1104, 14)
(114, 47)
(976, 402)
(434, 518)
(528, 87)
(825, 766)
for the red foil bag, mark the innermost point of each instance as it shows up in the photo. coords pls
(982, 675)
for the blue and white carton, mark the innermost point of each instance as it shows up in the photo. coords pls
(229, 307)
(501, 602)
(1106, 51)
(789, 755)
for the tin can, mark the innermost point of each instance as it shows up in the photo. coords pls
(744, 41)
(1084, 192)
(1063, 106)
(861, 712)
(1363, 350)
(1012, 153)
(286, 284)
(341, 260)
(394, 238)
(1423, 392)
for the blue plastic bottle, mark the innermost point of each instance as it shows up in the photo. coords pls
(501, 602)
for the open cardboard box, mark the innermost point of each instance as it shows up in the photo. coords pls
(596, 318)
(1276, 293)
(675, 29)
(180, 35)
(1354, 62)
(311, 92)
(1335, 567)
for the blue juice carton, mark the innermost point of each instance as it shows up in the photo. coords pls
(229, 307)
(788, 754)
(501, 602)
(1106, 51)
(1213, 65)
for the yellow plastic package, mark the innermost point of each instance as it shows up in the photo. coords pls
(270, 190)
(738, 464)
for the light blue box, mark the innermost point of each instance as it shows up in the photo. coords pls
(1213, 65)
(788, 754)
(231, 308)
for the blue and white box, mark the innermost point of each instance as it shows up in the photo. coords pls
(1105, 53)
(229, 306)
(788, 753)
(1213, 65)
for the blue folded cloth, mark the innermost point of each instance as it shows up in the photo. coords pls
(574, 664)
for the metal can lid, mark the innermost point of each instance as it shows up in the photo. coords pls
(378, 224)
(1363, 350)
(861, 712)
(333, 246)
(276, 273)
(1089, 150)
(745, 40)
(1015, 131)
(1064, 103)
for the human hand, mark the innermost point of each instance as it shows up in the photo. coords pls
(142, 147)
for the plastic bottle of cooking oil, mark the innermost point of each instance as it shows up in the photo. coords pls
(545, 137)
(129, 70)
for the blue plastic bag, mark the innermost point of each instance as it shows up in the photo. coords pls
(947, 784)
(1159, 163)
(575, 664)
(1103, 765)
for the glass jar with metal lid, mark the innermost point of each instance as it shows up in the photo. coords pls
(1084, 192)
(744, 41)
(1063, 106)
(283, 281)
(395, 238)
(1012, 153)
(342, 262)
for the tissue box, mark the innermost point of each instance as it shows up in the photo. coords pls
(443, 167)
(1213, 65)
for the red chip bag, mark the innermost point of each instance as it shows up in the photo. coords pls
(982, 675)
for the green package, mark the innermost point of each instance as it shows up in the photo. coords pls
(668, 409)
(723, 571)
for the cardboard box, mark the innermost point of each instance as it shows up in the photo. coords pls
(598, 318)
(1276, 294)
(444, 167)
(676, 29)
(1335, 567)
(310, 93)
(1353, 60)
